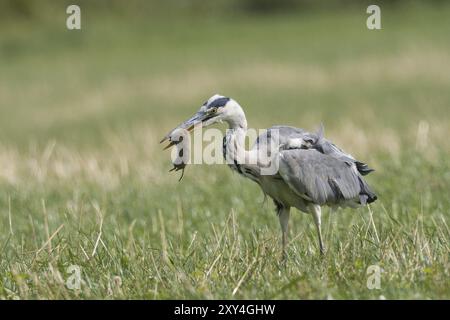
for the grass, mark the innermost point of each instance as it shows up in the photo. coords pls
(83, 180)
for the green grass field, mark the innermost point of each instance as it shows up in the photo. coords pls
(84, 181)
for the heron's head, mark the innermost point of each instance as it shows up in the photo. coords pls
(216, 109)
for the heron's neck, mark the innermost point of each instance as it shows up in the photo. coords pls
(237, 127)
(235, 140)
(238, 121)
(234, 145)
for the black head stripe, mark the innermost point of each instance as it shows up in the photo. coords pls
(220, 102)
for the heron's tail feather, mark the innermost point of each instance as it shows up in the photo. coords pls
(366, 195)
(363, 168)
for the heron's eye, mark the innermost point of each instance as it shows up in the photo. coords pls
(213, 110)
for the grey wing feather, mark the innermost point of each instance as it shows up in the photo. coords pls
(322, 178)
(311, 140)
(325, 146)
(285, 133)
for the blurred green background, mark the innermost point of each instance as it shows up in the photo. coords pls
(82, 112)
(130, 64)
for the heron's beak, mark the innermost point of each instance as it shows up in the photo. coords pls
(188, 125)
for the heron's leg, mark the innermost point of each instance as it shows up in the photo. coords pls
(283, 216)
(317, 213)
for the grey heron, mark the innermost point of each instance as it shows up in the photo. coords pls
(312, 171)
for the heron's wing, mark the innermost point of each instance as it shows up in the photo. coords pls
(319, 143)
(322, 178)
(296, 138)
(283, 133)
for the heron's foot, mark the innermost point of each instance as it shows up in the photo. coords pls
(322, 250)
